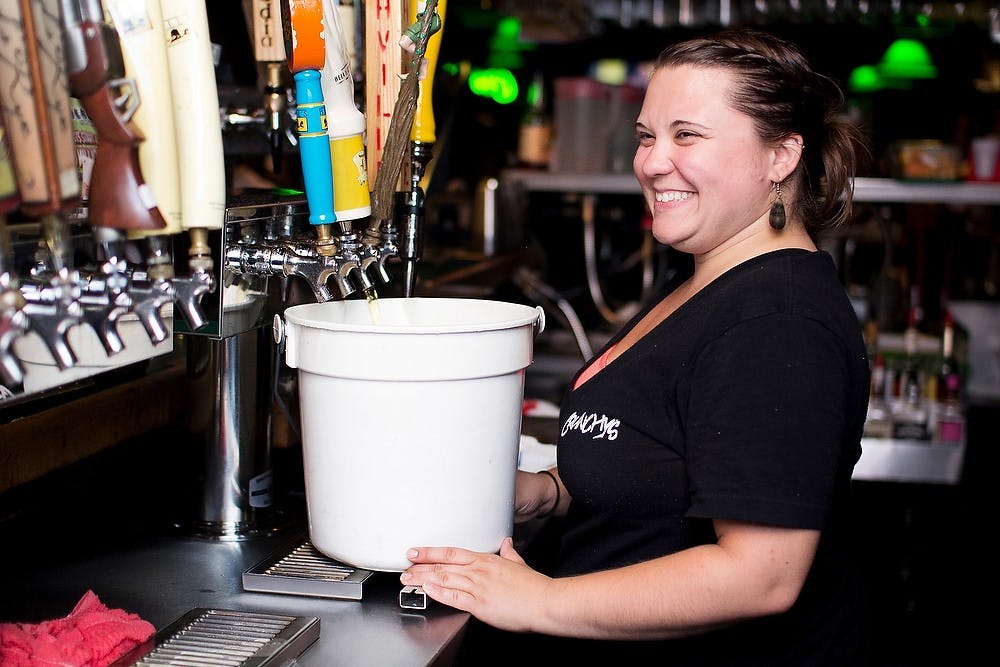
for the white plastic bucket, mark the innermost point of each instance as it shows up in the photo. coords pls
(410, 427)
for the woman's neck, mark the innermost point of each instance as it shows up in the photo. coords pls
(709, 266)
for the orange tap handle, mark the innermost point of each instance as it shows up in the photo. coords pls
(303, 30)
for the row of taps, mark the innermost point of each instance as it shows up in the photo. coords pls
(63, 73)
(53, 296)
(352, 261)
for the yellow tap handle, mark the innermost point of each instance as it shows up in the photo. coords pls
(424, 130)
(345, 123)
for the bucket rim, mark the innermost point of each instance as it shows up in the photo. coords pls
(530, 316)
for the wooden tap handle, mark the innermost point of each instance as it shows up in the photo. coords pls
(34, 96)
(118, 196)
(268, 34)
(424, 129)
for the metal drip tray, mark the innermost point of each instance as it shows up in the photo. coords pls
(305, 571)
(224, 638)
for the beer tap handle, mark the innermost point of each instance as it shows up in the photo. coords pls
(199, 140)
(196, 111)
(119, 196)
(424, 129)
(35, 101)
(345, 124)
(143, 45)
(423, 135)
(397, 138)
(276, 104)
(306, 54)
(314, 147)
(36, 106)
(269, 48)
(142, 39)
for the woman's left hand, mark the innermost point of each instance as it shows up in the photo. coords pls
(500, 590)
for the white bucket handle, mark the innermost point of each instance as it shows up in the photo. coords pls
(540, 322)
(284, 338)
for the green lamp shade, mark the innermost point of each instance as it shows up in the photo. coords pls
(907, 59)
(865, 79)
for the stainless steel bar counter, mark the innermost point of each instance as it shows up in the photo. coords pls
(108, 529)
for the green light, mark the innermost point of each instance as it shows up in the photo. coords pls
(495, 83)
(507, 36)
(505, 45)
(509, 26)
(865, 79)
(533, 94)
(907, 59)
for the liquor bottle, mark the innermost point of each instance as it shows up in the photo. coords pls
(878, 423)
(910, 418)
(951, 417)
(534, 139)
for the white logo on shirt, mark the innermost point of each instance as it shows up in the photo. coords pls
(588, 423)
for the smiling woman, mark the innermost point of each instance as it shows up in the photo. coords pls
(706, 459)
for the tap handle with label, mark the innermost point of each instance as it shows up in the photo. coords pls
(36, 107)
(118, 196)
(269, 49)
(34, 96)
(306, 52)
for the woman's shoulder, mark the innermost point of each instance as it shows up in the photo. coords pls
(792, 283)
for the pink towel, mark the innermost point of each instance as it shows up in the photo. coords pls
(91, 636)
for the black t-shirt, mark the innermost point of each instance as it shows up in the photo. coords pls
(747, 403)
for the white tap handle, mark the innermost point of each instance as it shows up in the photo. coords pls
(196, 114)
(345, 123)
(139, 24)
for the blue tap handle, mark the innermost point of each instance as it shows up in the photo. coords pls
(314, 147)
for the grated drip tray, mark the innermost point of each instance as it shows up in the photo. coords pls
(305, 571)
(224, 638)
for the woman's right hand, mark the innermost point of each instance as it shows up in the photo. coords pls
(535, 495)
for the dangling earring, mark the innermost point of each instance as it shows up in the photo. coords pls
(777, 218)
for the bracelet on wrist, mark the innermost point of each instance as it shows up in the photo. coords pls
(555, 505)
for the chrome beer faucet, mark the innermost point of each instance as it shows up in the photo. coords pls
(13, 320)
(104, 294)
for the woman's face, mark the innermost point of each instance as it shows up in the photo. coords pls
(704, 172)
